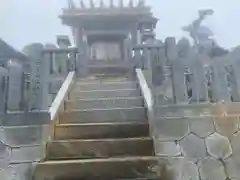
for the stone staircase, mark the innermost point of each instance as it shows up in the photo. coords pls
(103, 134)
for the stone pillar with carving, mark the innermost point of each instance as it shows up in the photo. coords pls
(36, 99)
(82, 56)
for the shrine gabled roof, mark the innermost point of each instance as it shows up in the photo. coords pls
(8, 52)
(128, 15)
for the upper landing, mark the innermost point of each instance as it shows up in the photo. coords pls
(114, 11)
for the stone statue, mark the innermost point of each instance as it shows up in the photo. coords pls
(101, 4)
(92, 4)
(200, 34)
(130, 4)
(141, 3)
(82, 4)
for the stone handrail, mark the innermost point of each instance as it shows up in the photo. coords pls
(146, 91)
(58, 103)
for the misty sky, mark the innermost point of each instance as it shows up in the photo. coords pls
(26, 21)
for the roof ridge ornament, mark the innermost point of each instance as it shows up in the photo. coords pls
(102, 4)
(141, 3)
(130, 4)
(121, 3)
(92, 4)
(82, 4)
(111, 4)
(71, 4)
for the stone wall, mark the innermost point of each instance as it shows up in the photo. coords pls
(21, 143)
(196, 142)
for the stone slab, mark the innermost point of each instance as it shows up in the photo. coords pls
(226, 125)
(105, 94)
(137, 114)
(105, 103)
(182, 111)
(202, 127)
(218, 146)
(104, 86)
(171, 149)
(25, 135)
(101, 148)
(171, 129)
(101, 131)
(24, 119)
(27, 154)
(213, 169)
(193, 148)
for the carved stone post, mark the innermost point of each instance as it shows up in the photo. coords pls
(34, 52)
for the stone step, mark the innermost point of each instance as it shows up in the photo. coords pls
(99, 148)
(109, 168)
(134, 114)
(105, 94)
(101, 130)
(104, 86)
(101, 103)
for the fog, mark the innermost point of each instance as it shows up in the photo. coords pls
(26, 21)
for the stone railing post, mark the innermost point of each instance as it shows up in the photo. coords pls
(3, 89)
(15, 86)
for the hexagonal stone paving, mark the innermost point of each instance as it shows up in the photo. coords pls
(167, 149)
(211, 169)
(193, 148)
(178, 168)
(235, 144)
(233, 167)
(171, 129)
(189, 171)
(218, 146)
(5, 151)
(202, 127)
(226, 125)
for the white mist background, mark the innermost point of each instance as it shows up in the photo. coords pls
(26, 21)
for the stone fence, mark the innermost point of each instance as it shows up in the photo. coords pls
(49, 66)
(180, 75)
(194, 119)
(25, 120)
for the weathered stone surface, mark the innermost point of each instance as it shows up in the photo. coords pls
(189, 171)
(27, 154)
(218, 146)
(235, 143)
(182, 111)
(171, 129)
(211, 169)
(15, 84)
(226, 125)
(25, 135)
(25, 119)
(5, 151)
(179, 169)
(193, 148)
(3, 86)
(17, 172)
(233, 167)
(167, 149)
(202, 127)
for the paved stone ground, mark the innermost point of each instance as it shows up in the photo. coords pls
(204, 138)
